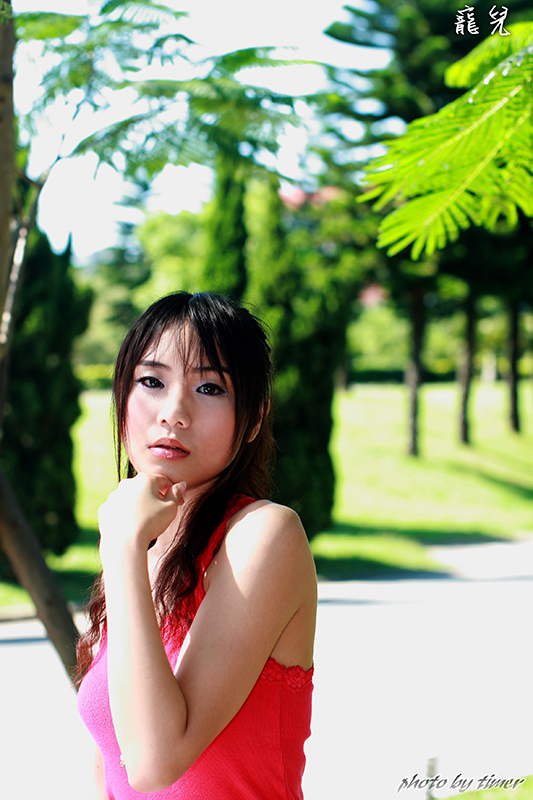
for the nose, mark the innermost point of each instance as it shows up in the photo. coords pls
(175, 410)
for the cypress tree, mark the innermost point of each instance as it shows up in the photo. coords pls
(42, 400)
(225, 266)
(303, 278)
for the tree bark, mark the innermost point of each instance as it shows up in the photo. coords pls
(7, 150)
(16, 537)
(22, 549)
(414, 369)
(514, 316)
(14, 283)
(467, 368)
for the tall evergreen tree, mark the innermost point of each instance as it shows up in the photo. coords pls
(42, 400)
(304, 268)
(225, 263)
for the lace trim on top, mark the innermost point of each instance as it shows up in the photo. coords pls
(295, 677)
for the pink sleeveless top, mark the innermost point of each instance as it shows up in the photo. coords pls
(258, 756)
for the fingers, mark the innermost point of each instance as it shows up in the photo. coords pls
(164, 488)
(178, 490)
(158, 485)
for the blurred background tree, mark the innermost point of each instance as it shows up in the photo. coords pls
(42, 401)
(367, 108)
(224, 269)
(306, 266)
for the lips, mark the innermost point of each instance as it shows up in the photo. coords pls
(168, 448)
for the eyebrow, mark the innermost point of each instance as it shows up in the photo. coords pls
(209, 368)
(159, 365)
(153, 364)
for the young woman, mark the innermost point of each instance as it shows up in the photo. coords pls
(203, 621)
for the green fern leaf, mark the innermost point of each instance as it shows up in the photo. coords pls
(487, 55)
(455, 167)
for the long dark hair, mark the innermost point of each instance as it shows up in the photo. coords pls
(230, 338)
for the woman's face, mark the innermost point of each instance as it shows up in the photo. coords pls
(180, 416)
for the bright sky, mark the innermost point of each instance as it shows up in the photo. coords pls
(77, 201)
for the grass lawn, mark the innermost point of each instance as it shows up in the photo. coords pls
(388, 508)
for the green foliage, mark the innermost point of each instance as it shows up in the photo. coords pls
(439, 173)
(378, 344)
(487, 55)
(470, 163)
(42, 396)
(174, 248)
(224, 269)
(40, 26)
(6, 12)
(94, 376)
(136, 45)
(303, 277)
(421, 39)
(119, 273)
(101, 341)
(378, 339)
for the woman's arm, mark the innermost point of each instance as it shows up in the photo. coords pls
(144, 696)
(263, 580)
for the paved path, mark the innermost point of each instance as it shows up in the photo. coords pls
(410, 670)
(406, 671)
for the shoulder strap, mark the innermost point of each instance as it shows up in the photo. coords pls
(237, 502)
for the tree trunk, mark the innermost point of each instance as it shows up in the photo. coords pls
(467, 368)
(24, 553)
(7, 151)
(14, 283)
(16, 537)
(514, 316)
(414, 370)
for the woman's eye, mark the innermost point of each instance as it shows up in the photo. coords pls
(210, 389)
(150, 382)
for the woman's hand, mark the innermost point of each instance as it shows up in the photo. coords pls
(138, 511)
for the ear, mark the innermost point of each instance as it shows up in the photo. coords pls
(257, 427)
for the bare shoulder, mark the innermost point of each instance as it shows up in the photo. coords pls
(265, 568)
(265, 512)
(266, 530)
(264, 520)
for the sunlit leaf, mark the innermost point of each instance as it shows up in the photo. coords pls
(488, 54)
(46, 25)
(146, 6)
(472, 163)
